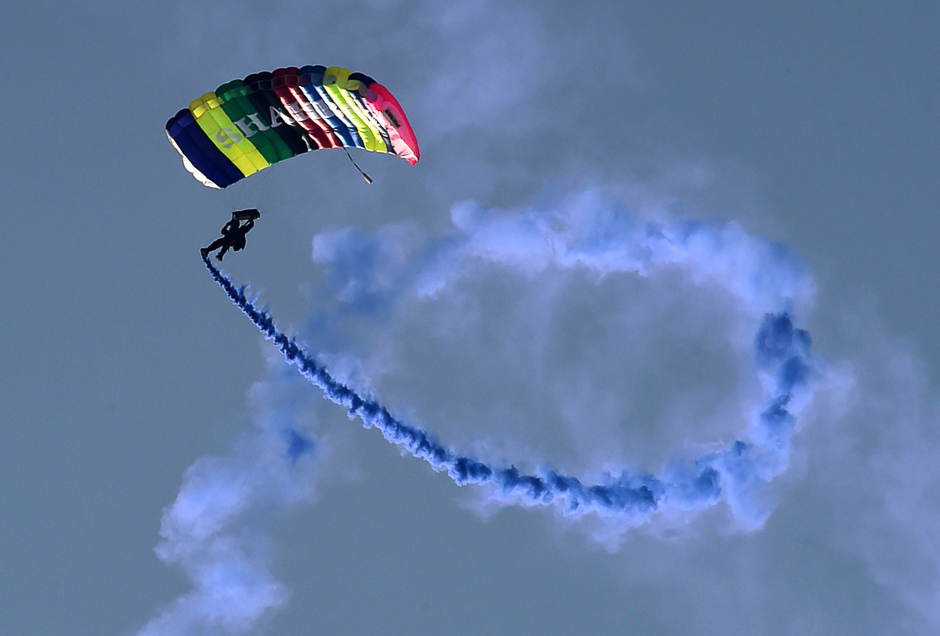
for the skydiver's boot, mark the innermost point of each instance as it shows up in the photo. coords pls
(204, 251)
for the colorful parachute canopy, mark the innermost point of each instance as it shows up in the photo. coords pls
(246, 125)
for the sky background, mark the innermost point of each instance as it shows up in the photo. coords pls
(812, 124)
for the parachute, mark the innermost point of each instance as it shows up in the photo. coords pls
(249, 124)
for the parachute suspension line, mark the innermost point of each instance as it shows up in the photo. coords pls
(364, 175)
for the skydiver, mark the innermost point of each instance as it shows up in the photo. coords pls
(233, 234)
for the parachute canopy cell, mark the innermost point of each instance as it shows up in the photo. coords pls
(249, 124)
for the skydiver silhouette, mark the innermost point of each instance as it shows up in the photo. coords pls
(233, 235)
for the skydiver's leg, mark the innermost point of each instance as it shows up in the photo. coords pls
(216, 244)
(213, 246)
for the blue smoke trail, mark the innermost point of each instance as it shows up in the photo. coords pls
(630, 496)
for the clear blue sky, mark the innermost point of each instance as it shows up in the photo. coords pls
(811, 124)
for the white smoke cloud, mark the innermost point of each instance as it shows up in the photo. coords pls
(875, 451)
(216, 529)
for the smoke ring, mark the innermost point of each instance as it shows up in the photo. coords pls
(782, 352)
